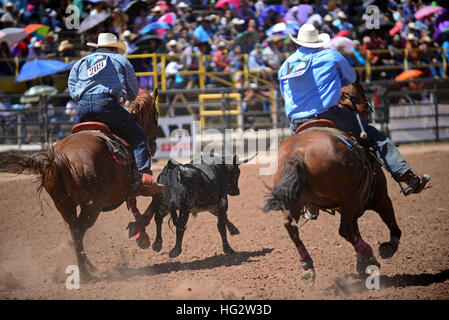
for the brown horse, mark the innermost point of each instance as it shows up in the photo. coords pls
(81, 171)
(317, 170)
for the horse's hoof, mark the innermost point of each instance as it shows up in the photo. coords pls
(133, 229)
(386, 250)
(143, 240)
(174, 253)
(309, 276)
(157, 246)
(364, 262)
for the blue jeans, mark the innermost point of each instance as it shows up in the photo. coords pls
(106, 109)
(386, 151)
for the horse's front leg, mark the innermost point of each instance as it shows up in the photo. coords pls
(304, 257)
(137, 228)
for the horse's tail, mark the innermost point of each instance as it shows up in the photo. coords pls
(287, 192)
(46, 165)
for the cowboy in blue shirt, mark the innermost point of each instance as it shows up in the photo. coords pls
(311, 80)
(96, 84)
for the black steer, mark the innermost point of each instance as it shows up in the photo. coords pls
(192, 188)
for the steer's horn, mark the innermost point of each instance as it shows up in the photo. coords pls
(249, 159)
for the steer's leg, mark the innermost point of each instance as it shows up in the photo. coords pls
(180, 223)
(222, 216)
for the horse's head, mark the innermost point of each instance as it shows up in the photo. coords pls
(357, 93)
(144, 111)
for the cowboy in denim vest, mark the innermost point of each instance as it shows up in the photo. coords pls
(96, 83)
(311, 80)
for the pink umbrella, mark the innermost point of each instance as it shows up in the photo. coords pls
(169, 18)
(427, 11)
(221, 3)
(163, 5)
(397, 27)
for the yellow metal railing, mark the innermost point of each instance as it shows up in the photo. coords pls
(227, 78)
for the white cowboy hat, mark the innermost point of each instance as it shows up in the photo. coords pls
(182, 5)
(157, 9)
(309, 37)
(108, 40)
(237, 21)
(328, 18)
(341, 15)
(65, 44)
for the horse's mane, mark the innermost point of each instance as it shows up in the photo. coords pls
(140, 105)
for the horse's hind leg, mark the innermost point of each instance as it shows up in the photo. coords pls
(384, 208)
(349, 230)
(86, 219)
(293, 232)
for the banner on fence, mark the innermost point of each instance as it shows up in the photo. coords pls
(167, 125)
(412, 123)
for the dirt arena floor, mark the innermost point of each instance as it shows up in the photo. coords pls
(34, 251)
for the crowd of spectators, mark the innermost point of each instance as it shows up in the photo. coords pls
(232, 29)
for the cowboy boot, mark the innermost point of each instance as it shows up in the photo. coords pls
(412, 182)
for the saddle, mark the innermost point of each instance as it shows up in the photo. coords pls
(366, 157)
(119, 148)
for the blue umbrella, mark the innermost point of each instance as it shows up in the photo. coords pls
(41, 68)
(154, 26)
(201, 34)
(279, 9)
(283, 28)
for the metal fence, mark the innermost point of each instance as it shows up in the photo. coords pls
(425, 109)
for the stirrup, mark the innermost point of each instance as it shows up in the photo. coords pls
(417, 187)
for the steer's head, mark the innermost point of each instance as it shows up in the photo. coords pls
(233, 174)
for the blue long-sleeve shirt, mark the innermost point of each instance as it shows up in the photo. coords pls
(103, 72)
(311, 81)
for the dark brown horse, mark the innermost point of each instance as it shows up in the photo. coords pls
(317, 170)
(81, 171)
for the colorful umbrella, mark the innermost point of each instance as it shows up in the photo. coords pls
(37, 30)
(41, 68)
(283, 28)
(441, 27)
(12, 35)
(222, 3)
(33, 93)
(275, 38)
(397, 27)
(409, 74)
(92, 21)
(343, 33)
(154, 26)
(169, 18)
(299, 14)
(427, 11)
